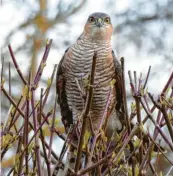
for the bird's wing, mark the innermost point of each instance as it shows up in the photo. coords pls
(118, 83)
(119, 89)
(66, 113)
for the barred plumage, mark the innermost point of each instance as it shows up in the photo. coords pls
(75, 67)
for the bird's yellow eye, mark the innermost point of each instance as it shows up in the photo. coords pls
(91, 19)
(107, 20)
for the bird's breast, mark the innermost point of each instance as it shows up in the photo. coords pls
(77, 67)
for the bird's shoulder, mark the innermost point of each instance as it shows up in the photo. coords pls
(66, 113)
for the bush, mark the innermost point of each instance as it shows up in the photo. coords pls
(28, 121)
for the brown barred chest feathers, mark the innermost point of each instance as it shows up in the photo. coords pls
(77, 66)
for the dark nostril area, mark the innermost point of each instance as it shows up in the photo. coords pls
(99, 25)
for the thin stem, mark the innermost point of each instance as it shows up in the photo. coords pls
(17, 152)
(9, 78)
(52, 131)
(37, 147)
(157, 126)
(64, 149)
(162, 108)
(49, 86)
(135, 81)
(42, 136)
(42, 63)
(16, 65)
(103, 160)
(146, 79)
(140, 132)
(124, 97)
(12, 122)
(140, 81)
(2, 70)
(22, 114)
(26, 125)
(162, 93)
(131, 82)
(136, 95)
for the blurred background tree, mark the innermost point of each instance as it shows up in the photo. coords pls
(39, 21)
(147, 25)
(40, 18)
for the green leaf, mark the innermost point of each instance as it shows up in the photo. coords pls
(44, 129)
(47, 42)
(6, 140)
(136, 170)
(49, 82)
(153, 154)
(25, 91)
(116, 137)
(133, 106)
(57, 121)
(10, 145)
(75, 152)
(113, 155)
(37, 103)
(142, 128)
(42, 66)
(137, 143)
(3, 82)
(142, 91)
(168, 89)
(31, 146)
(103, 136)
(13, 109)
(170, 116)
(112, 83)
(17, 159)
(121, 156)
(160, 173)
(85, 82)
(86, 138)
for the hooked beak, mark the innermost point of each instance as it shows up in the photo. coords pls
(99, 22)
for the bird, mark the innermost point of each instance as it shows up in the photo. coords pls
(74, 69)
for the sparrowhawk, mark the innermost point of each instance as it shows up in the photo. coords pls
(74, 68)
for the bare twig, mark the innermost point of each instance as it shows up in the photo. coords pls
(136, 95)
(162, 93)
(52, 127)
(16, 65)
(64, 149)
(42, 136)
(161, 107)
(37, 147)
(42, 63)
(124, 97)
(146, 80)
(49, 85)
(157, 126)
(101, 161)
(26, 125)
(2, 70)
(9, 75)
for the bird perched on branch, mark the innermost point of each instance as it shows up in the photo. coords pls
(75, 67)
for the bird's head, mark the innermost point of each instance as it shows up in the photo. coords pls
(98, 26)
